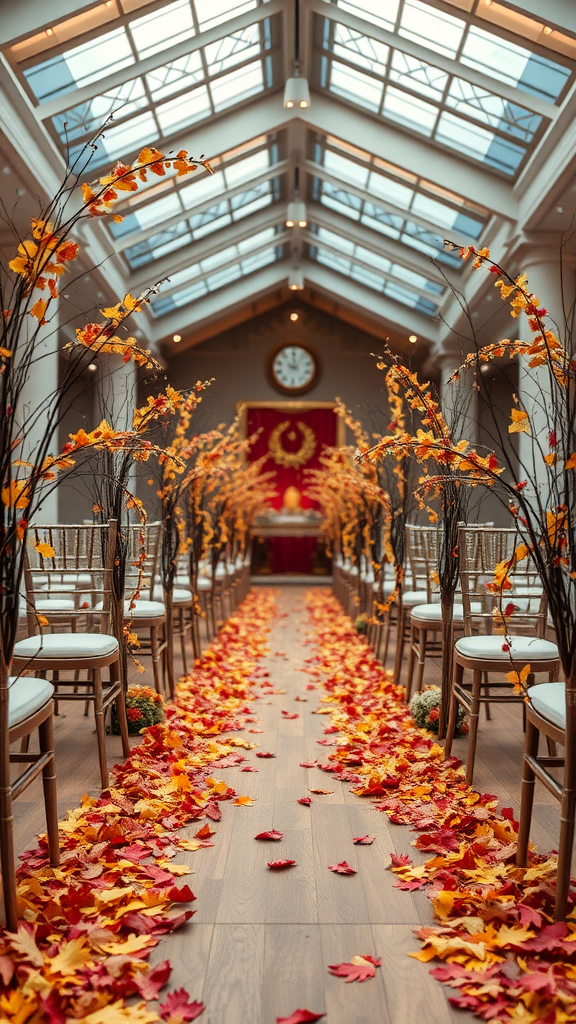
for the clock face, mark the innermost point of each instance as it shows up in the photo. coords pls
(293, 368)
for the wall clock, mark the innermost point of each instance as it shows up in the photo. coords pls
(293, 369)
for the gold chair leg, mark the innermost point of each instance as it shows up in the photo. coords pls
(120, 703)
(565, 851)
(457, 681)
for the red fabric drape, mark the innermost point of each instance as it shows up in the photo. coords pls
(321, 421)
(291, 554)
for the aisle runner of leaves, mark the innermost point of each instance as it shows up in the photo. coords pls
(88, 927)
(495, 939)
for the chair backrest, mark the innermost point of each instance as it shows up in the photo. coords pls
(142, 559)
(422, 557)
(72, 562)
(481, 549)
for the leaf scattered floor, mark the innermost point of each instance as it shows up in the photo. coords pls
(494, 943)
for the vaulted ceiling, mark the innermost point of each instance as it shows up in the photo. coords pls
(429, 119)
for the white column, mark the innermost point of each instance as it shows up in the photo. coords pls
(37, 398)
(554, 289)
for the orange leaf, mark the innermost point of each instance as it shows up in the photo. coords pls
(38, 309)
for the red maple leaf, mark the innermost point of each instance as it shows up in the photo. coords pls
(213, 811)
(263, 753)
(400, 860)
(277, 865)
(361, 968)
(306, 800)
(286, 714)
(149, 985)
(364, 840)
(308, 764)
(250, 768)
(178, 1007)
(205, 832)
(300, 1017)
(342, 868)
(272, 834)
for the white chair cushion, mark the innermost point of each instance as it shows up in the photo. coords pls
(26, 695)
(144, 609)
(220, 573)
(413, 597)
(45, 606)
(66, 645)
(549, 700)
(522, 648)
(180, 595)
(203, 583)
(433, 612)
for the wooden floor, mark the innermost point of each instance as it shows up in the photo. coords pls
(260, 942)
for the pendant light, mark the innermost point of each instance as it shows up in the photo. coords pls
(296, 212)
(296, 91)
(296, 279)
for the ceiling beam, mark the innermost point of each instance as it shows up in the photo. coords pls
(142, 67)
(26, 17)
(437, 59)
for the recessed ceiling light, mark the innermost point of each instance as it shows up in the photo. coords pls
(559, 209)
(177, 337)
(294, 316)
(92, 367)
(547, 30)
(413, 339)
(49, 31)
(484, 368)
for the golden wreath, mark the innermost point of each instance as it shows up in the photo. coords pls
(297, 458)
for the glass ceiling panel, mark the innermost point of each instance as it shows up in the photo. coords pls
(235, 261)
(440, 209)
(191, 202)
(377, 273)
(175, 95)
(432, 102)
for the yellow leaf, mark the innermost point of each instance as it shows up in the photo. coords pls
(70, 959)
(5, 353)
(571, 462)
(550, 459)
(133, 944)
(45, 550)
(175, 869)
(443, 904)
(182, 783)
(14, 496)
(520, 422)
(118, 1013)
(38, 309)
(518, 679)
(24, 943)
(243, 801)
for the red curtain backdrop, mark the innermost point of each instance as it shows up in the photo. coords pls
(291, 554)
(321, 421)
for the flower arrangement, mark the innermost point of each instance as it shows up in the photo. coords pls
(361, 624)
(425, 710)
(144, 707)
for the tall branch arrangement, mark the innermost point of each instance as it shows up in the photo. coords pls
(28, 295)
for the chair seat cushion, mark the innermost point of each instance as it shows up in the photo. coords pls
(549, 700)
(203, 583)
(410, 598)
(144, 609)
(45, 605)
(433, 612)
(522, 648)
(180, 595)
(388, 587)
(26, 695)
(66, 645)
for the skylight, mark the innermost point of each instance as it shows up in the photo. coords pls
(218, 270)
(447, 106)
(375, 272)
(178, 90)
